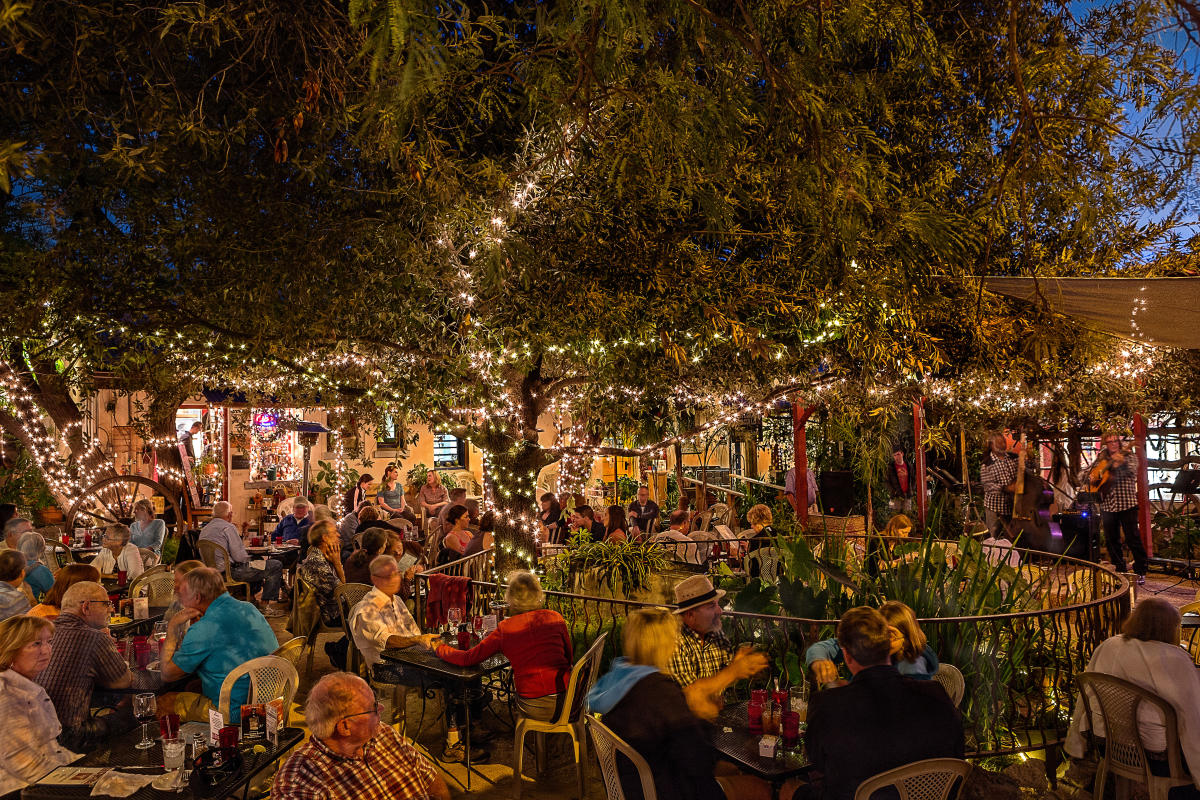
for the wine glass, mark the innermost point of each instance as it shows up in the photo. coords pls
(453, 617)
(144, 708)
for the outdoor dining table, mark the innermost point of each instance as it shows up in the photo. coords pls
(84, 555)
(736, 744)
(136, 627)
(286, 554)
(119, 753)
(449, 675)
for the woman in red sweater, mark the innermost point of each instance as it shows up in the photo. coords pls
(536, 642)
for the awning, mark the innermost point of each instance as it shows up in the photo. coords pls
(1168, 309)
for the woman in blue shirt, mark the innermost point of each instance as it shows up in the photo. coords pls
(145, 530)
(911, 654)
(37, 574)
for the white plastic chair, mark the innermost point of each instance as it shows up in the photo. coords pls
(270, 677)
(569, 719)
(951, 679)
(931, 779)
(608, 745)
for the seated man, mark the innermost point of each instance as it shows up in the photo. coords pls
(224, 634)
(13, 601)
(293, 526)
(118, 554)
(14, 529)
(83, 658)
(381, 620)
(681, 546)
(585, 517)
(880, 720)
(643, 513)
(351, 754)
(220, 529)
(705, 662)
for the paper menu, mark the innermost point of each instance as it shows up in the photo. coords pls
(216, 721)
(74, 776)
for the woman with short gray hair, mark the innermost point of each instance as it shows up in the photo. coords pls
(537, 644)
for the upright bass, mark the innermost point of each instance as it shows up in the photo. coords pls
(1032, 498)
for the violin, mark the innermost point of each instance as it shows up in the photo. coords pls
(1100, 475)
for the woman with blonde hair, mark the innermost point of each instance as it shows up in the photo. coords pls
(911, 654)
(644, 705)
(64, 579)
(432, 495)
(145, 530)
(29, 748)
(1147, 653)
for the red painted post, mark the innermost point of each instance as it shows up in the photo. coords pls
(919, 459)
(1143, 483)
(799, 445)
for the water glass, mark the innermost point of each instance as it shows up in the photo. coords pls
(173, 754)
(798, 700)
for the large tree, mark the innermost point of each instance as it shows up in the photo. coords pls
(475, 214)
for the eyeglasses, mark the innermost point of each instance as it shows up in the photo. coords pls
(377, 710)
(107, 603)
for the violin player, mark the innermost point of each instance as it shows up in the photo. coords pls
(1113, 475)
(997, 474)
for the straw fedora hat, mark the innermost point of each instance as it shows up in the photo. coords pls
(695, 591)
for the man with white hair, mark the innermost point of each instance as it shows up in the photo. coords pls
(84, 657)
(14, 529)
(221, 530)
(117, 554)
(381, 620)
(224, 633)
(351, 755)
(294, 527)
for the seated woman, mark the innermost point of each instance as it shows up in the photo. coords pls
(644, 705)
(37, 575)
(118, 554)
(456, 535)
(65, 578)
(322, 569)
(616, 528)
(551, 519)
(911, 653)
(432, 496)
(358, 566)
(145, 530)
(1147, 653)
(484, 539)
(536, 642)
(390, 497)
(760, 533)
(29, 747)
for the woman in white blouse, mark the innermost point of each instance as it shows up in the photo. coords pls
(118, 553)
(29, 748)
(1147, 653)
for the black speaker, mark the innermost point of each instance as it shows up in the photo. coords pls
(837, 492)
(1080, 534)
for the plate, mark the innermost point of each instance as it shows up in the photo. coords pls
(119, 620)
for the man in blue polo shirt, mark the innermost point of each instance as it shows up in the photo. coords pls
(224, 633)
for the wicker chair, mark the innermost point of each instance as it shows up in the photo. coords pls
(270, 677)
(931, 779)
(208, 554)
(157, 587)
(1115, 703)
(951, 679)
(568, 721)
(291, 649)
(608, 745)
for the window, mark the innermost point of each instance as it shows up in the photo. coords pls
(387, 436)
(449, 451)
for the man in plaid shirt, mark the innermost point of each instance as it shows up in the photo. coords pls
(1119, 505)
(997, 472)
(352, 755)
(705, 662)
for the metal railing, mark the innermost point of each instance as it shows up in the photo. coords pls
(1019, 666)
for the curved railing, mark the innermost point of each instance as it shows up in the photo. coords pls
(1019, 666)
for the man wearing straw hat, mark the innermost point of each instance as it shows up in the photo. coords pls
(706, 663)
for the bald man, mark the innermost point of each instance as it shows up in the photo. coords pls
(351, 754)
(84, 658)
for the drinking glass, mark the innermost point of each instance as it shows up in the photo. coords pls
(453, 617)
(798, 700)
(144, 708)
(173, 759)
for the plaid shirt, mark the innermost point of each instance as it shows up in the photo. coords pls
(699, 656)
(81, 657)
(1122, 494)
(390, 769)
(995, 473)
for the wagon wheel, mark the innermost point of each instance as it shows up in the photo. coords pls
(111, 501)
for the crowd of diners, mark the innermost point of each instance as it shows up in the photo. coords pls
(876, 709)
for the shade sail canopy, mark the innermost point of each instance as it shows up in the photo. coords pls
(1168, 309)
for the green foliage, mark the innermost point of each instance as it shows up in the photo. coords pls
(328, 474)
(23, 485)
(622, 567)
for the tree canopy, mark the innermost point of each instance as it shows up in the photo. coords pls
(472, 214)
